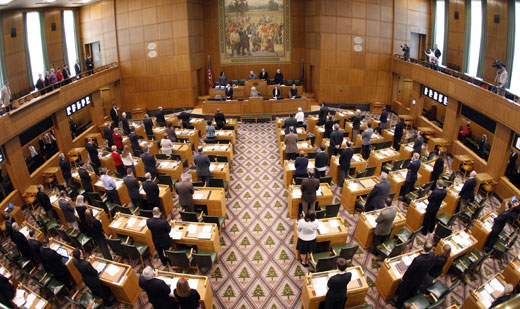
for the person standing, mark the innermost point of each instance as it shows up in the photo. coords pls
(222, 80)
(68, 211)
(89, 64)
(114, 114)
(202, 165)
(411, 175)
(94, 229)
(108, 134)
(150, 164)
(148, 127)
(356, 124)
(366, 138)
(21, 242)
(159, 117)
(379, 193)
(220, 119)
(187, 297)
(81, 207)
(434, 204)
(118, 161)
(501, 80)
(438, 264)
(125, 124)
(210, 131)
(166, 145)
(84, 176)
(499, 223)
(336, 140)
(152, 192)
(157, 290)
(170, 130)
(134, 140)
(293, 93)
(438, 167)
(291, 144)
(128, 159)
(7, 291)
(467, 193)
(300, 165)
(133, 187)
(53, 263)
(482, 146)
(77, 68)
(321, 161)
(252, 75)
(398, 134)
(309, 187)
(437, 52)
(278, 78)
(184, 117)
(93, 155)
(40, 84)
(229, 92)
(110, 187)
(290, 123)
(329, 124)
(184, 189)
(336, 296)
(34, 246)
(90, 276)
(300, 116)
(322, 116)
(307, 228)
(65, 169)
(383, 119)
(45, 202)
(6, 96)
(66, 74)
(418, 143)
(384, 225)
(160, 230)
(264, 75)
(344, 163)
(277, 94)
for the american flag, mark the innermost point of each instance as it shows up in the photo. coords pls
(210, 76)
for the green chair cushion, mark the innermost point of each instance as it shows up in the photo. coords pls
(213, 255)
(142, 248)
(337, 248)
(444, 219)
(437, 289)
(417, 302)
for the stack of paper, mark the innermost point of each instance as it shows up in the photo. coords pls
(55, 246)
(193, 283)
(319, 192)
(207, 229)
(116, 223)
(355, 159)
(25, 231)
(297, 193)
(197, 196)
(371, 220)
(407, 260)
(204, 235)
(291, 166)
(142, 222)
(40, 304)
(322, 228)
(19, 299)
(111, 270)
(497, 285)
(355, 275)
(175, 235)
(305, 144)
(333, 223)
(320, 286)
(192, 228)
(95, 212)
(353, 185)
(131, 221)
(53, 198)
(100, 267)
(421, 206)
(310, 165)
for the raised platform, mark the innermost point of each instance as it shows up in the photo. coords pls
(257, 106)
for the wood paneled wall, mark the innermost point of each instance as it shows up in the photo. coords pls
(496, 45)
(456, 33)
(97, 24)
(54, 38)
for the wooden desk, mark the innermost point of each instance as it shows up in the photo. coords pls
(302, 134)
(31, 299)
(435, 142)
(226, 135)
(315, 288)
(312, 121)
(4, 271)
(427, 132)
(406, 150)
(54, 171)
(326, 142)
(375, 138)
(417, 211)
(390, 276)
(426, 170)
(120, 278)
(380, 157)
(452, 198)
(199, 124)
(219, 150)
(216, 170)
(357, 164)
(107, 162)
(26, 227)
(173, 120)
(204, 235)
(304, 146)
(171, 168)
(121, 190)
(77, 179)
(483, 179)
(96, 137)
(191, 135)
(397, 180)
(329, 229)
(230, 122)
(81, 152)
(280, 122)
(199, 283)
(319, 132)
(388, 135)
(481, 297)
(289, 169)
(482, 228)
(323, 197)
(363, 126)
(153, 147)
(165, 196)
(366, 226)
(213, 198)
(184, 150)
(458, 160)
(134, 227)
(256, 106)
(61, 247)
(512, 271)
(343, 116)
(17, 213)
(461, 243)
(354, 188)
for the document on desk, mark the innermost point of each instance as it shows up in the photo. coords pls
(197, 196)
(297, 193)
(207, 228)
(40, 304)
(421, 206)
(131, 222)
(53, 198)
(100, 266)
(355, 274)
(353, 185)
(407, 260)
(319, 192)
(95, 212)
(371, 220)
(112, 270)
(19, 299)
(333, 223)
(116, 224)
(192, 228)
(320, 286)
(193, 283)
(204, 235)
(322, 229)
(291, 166)
(175, 235)
(29, 300)
(25, 231)
(497, 285)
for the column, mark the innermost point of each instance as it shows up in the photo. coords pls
(500, 150)
(451, 120)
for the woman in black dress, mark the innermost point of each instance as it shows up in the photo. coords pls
(187, 297)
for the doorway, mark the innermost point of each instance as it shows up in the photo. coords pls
(94, 50)
(417, 45)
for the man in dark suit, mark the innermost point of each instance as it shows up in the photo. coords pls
(91, 278)
(148, 126)
(300, 164)
(398, 134)
(125, 124)
(159, 117)
(150, 165)
(134, 140)
(152, 192)
(108, 134)
(335, 141)
(69, 213)
(293, 92)
(21, 242)
(93, 155)
(220, 119)
(157, 290)
(437, 52)
(290, 122)
(65, 169)
(77, 67)
(9, 226)
(264, 75)
(86, 180)
(229, 92)
(45, 202)
(383, 119)
(356, 124)
(160, 229)
(34, 246)
(434, 203)
(184, 189)
(40, 84)
(309, 186)
(414, 275)
(278, 77)
(202, 164)
(336, 296)
(7, 291)
(419, 141)
(52, 262)
(89, 64)
(132, 186)
(114, 114)
(377, 196)
(184, 117)
(344, 163)
(499, 223)
(322, 116)
(467, 193)
(411, 176)
(384, 225)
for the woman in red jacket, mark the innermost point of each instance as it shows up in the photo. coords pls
(118, 139)
(118, 162)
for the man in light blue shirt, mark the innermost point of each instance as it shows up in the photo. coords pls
(110, 187)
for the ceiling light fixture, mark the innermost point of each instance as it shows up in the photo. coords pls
(5, 2)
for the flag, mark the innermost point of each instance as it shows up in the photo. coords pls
(302, 77)
(210, 76)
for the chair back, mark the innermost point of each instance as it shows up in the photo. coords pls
(64, 236)
(197, 184)
(165, 180)
(224, 141)
(405, 163)
(131, 251)
(332, 210)
(442, 231)
(145, 213)
(311, 139)
(323, 246)
(123, 209)
(93, 196)
(327, 263)
(361, 174)
(398, 250)
(298, 180)
(356, 150)
(222, 159)
(178, 258)
(392, 195)
(211, 219)
(176, 156)
(216, 182)
(202, 260)
(116, 246)
(201, 208)
(161, 156)
(348, 252)
(189, 216)
(397, 165)
(326, 179)
(311, 155)
(320, 214)
(210, 141)
(370, 171)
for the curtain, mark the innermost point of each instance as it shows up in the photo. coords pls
(64, 41)
(510, 39)
(434, 24)
(3, 72)
(483, 42)
(44, 42)
(78, 53)
(27, 56)
(467, 36)
(446, 31)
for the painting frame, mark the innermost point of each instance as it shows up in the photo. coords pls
(226, 59)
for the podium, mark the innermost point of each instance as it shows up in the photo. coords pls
(259, 84)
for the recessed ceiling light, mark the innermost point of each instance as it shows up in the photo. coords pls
(5, 2)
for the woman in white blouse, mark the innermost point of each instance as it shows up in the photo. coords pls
(166, 145)
(128, 160)
(307, 228)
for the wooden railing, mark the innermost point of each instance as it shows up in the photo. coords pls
(457, 74)
(56, 86)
